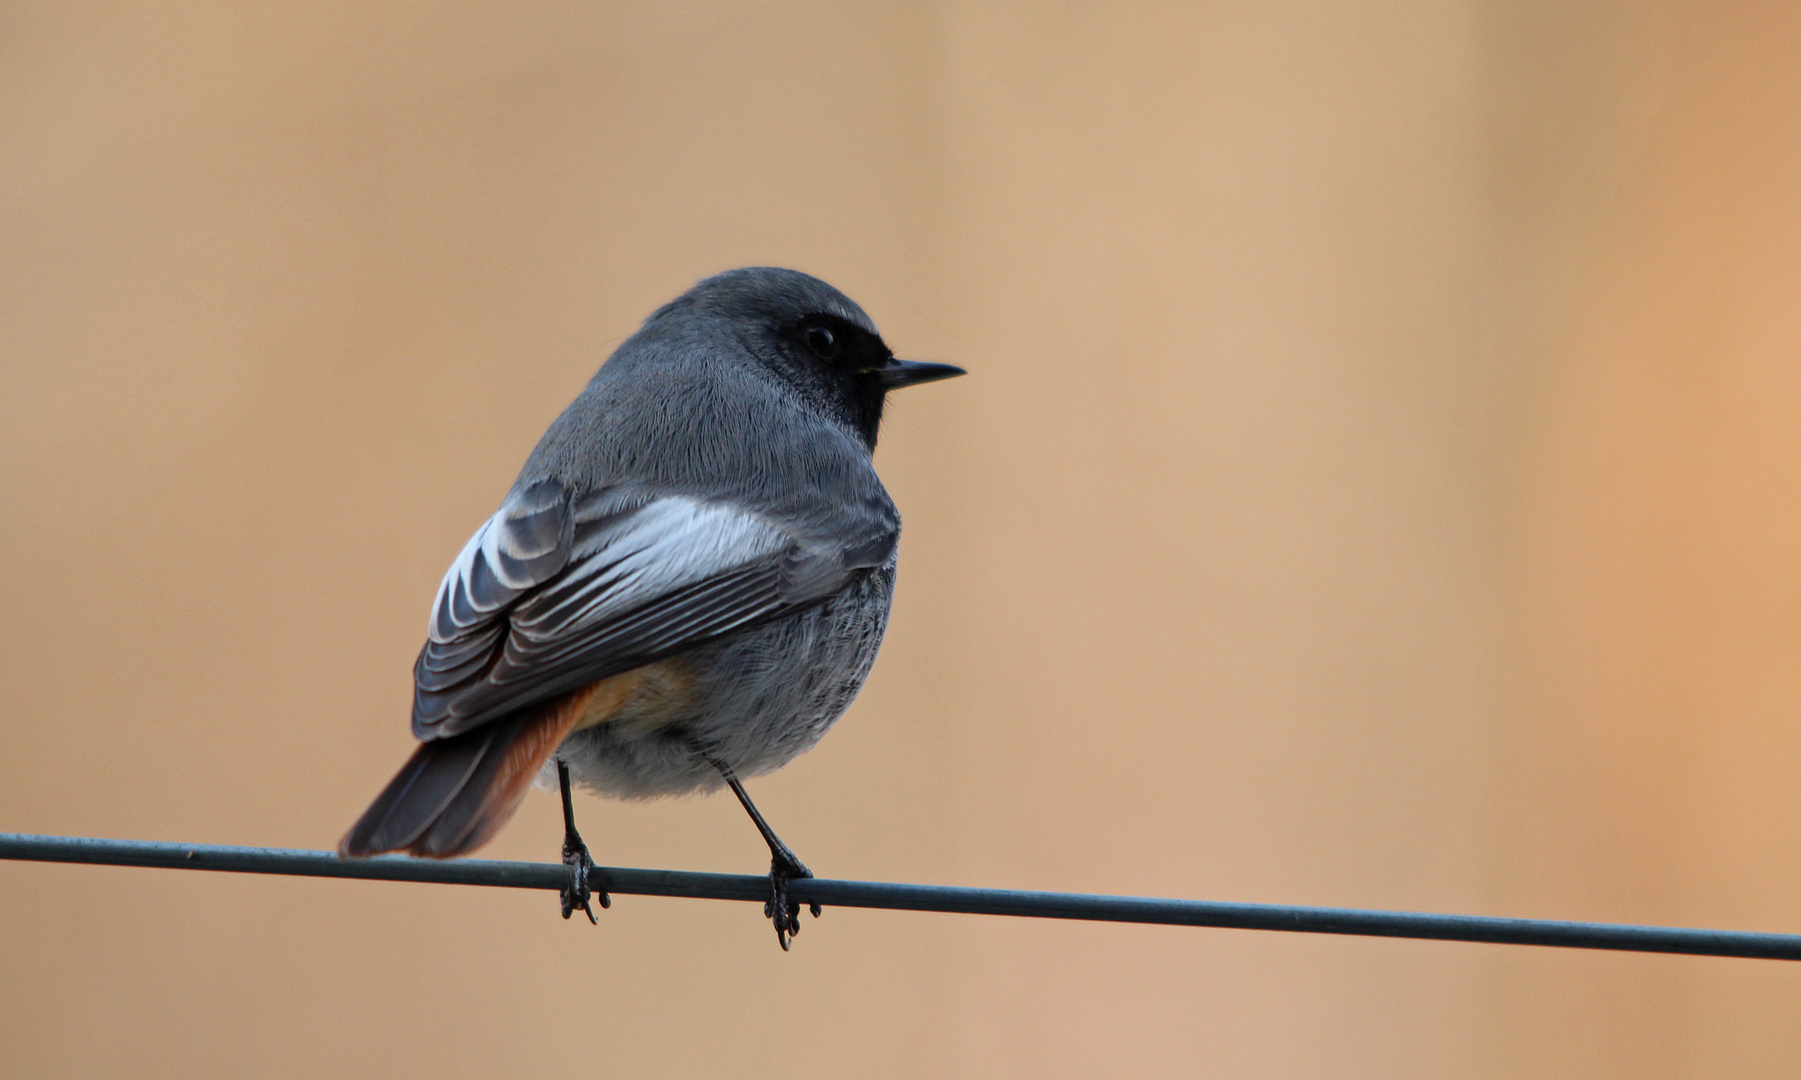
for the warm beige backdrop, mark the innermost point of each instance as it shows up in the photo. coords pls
(1379, 484)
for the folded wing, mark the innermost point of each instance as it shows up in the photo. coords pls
(560, 589)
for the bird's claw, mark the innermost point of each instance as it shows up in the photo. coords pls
(577, 891)
(780, 910)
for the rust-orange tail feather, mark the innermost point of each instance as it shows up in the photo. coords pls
(454, 794)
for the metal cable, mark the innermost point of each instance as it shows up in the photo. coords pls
(876, 894)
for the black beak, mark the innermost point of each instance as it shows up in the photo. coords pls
(897, 373)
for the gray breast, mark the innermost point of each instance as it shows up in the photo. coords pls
(758, 698)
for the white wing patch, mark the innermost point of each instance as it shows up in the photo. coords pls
(668, 544)
(523, 545)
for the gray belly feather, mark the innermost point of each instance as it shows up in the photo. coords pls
(761, 696)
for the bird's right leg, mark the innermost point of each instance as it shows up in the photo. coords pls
(784, 865)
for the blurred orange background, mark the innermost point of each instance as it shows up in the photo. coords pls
(1378, 484)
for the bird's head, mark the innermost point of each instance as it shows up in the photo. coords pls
(812, 338)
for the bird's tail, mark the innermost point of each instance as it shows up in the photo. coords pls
(455, 793)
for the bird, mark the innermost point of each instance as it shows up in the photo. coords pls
(685, 586)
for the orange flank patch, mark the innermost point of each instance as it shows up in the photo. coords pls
(607, 697)
(646, 697)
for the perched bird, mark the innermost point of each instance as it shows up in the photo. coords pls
(686, 585)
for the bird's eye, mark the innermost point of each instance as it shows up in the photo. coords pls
(823, 342)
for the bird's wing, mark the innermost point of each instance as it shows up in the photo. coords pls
(559, 589)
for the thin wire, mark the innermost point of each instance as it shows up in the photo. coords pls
(876, 894)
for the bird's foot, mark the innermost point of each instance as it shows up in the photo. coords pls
(780, 910)
(577, 892)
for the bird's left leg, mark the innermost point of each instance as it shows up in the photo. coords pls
(784, 865)
(575, 856)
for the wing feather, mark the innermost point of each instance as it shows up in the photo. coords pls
(557, 590)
